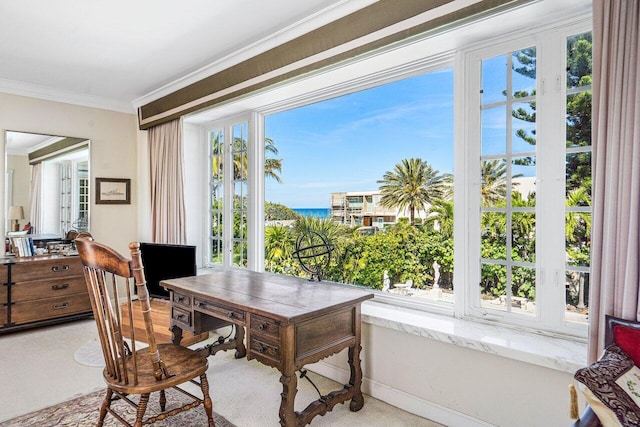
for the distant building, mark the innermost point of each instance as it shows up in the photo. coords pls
(362, 208)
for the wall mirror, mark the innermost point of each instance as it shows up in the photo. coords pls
(46, 184)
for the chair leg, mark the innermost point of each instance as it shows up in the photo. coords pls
(163, 400)
(142, 408)
(208, 404)
(106, 403)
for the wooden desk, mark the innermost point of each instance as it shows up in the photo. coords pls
(289, 323)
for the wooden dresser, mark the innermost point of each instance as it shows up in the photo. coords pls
(39, 291)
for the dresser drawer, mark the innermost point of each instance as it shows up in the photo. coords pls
(49, 308)
(48, 288)
(3, 315)
(265, 327)
(219, 311)
(50, 268)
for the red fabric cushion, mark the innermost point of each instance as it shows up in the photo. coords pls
(629, 340)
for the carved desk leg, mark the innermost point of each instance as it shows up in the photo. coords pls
(287, 410)
(355, 380)
(241, 350)
(176, 334)
(288, 379)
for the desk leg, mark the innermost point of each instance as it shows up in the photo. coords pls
(355, 380)
(176, 334)
(241, 350)
(287, 412)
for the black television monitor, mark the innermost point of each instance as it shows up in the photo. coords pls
(165, 261)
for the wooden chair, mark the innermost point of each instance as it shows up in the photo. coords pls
(129, 370)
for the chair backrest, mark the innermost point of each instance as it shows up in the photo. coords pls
(109, 276)
(611, 322)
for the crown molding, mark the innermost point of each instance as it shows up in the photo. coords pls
(50, 94)
(305, 25)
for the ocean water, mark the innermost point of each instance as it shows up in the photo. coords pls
(315, 212)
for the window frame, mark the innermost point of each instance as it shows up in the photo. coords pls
(255, 187)
(551, 151)
(551, 280)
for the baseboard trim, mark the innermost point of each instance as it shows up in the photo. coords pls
(401, 399)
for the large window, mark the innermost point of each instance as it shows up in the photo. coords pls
(228, 162)
(507, 182)
(344, 165)
(368, 165)
(531, 181)
(578, 176)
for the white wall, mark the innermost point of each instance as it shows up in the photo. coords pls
(454, 385)
(113, 148)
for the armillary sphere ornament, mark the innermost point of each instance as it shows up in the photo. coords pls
(313, 252)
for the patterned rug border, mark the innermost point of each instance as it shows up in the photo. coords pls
(83, 411)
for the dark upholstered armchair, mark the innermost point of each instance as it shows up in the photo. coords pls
(588, 417)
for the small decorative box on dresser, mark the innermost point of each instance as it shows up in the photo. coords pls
(38, 291)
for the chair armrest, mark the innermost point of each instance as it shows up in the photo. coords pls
(588, 419)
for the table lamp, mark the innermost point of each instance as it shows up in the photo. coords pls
(16, 213)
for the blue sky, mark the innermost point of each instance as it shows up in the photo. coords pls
(348, 143)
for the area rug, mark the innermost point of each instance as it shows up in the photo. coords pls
(90, 354)
(84, 411)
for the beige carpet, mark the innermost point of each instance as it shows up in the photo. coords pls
(83, 411)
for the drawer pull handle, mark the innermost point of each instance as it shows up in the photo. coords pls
(230, 315)
(57, 268)
(263, 326)
(180, 317)
(181, 300)
(261, 348)
(60, 306)
(200, 304)
(59, 287)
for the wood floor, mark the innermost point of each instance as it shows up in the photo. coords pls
(160, 316)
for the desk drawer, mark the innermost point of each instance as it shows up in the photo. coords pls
(181, 317)
(263, 326)
(181, 300)
(263, 350)
(219, 311)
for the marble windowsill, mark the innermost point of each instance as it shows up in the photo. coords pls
(551, 352)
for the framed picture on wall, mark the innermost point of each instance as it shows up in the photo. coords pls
(113, 191)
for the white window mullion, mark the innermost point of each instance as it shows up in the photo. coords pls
(255, 190)
(467, 185)
(227, 213)
(550, 184)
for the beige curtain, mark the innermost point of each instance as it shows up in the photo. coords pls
(616, 162)
(167, 187)
(35, 198)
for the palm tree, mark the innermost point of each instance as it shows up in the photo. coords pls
(578, 224)
(272, 165)
(494, 182)
(412, 184)
(279, 244)
(441, 213)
